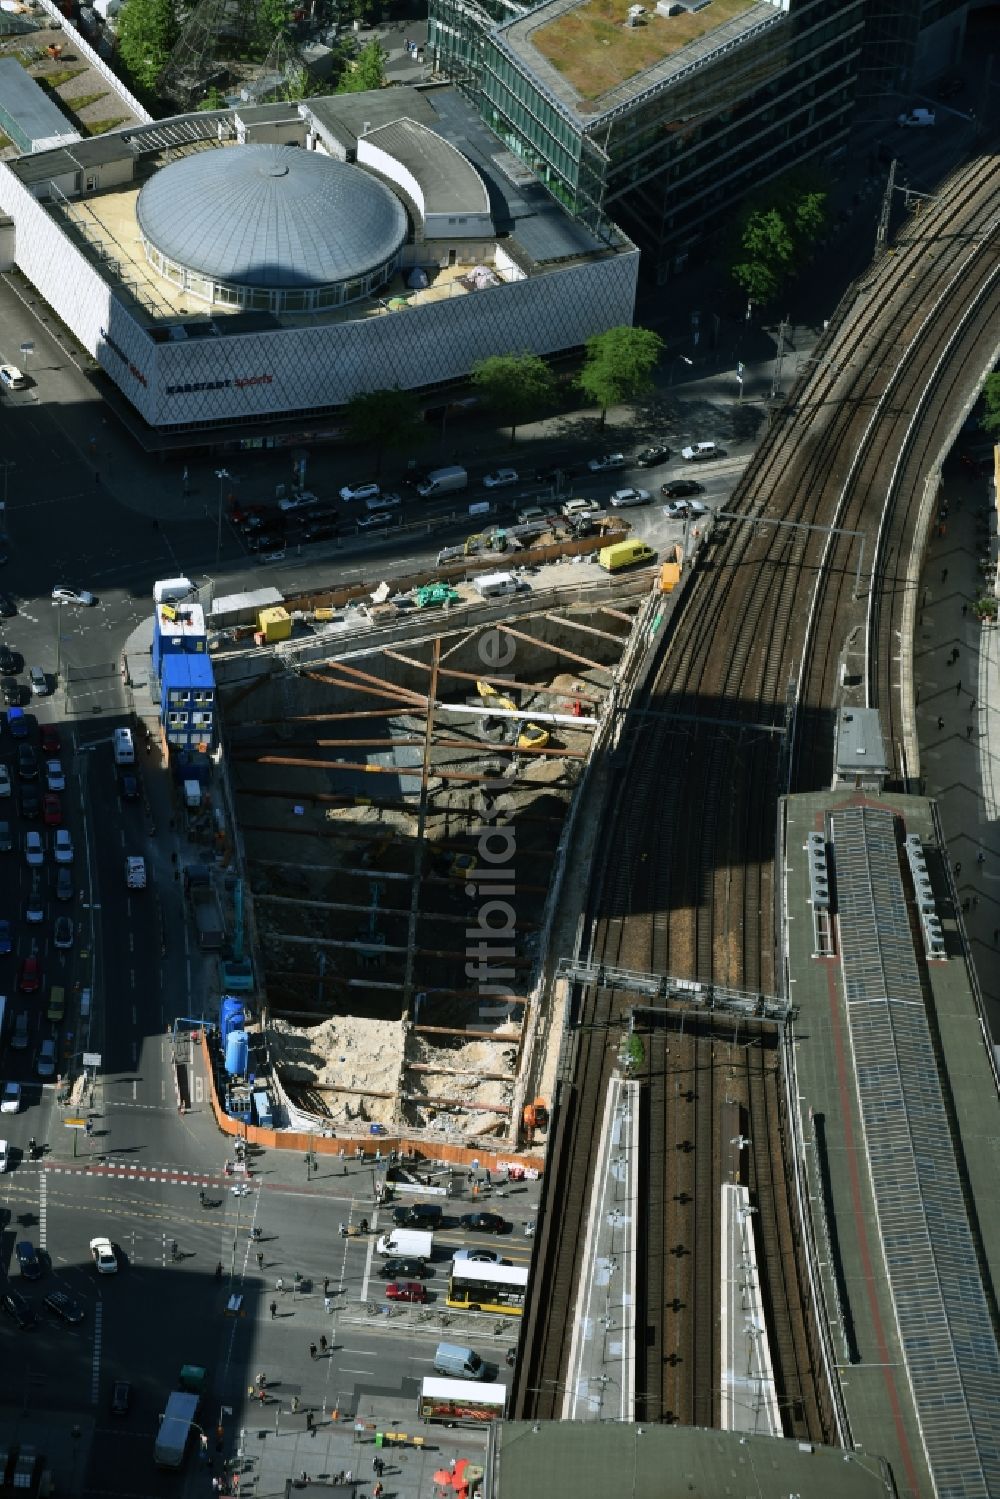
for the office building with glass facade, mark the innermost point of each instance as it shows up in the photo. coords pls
(657, 120)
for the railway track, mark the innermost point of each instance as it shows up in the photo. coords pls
(739, 710)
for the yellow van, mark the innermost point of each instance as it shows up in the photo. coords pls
(624, 554)
(57, 1004)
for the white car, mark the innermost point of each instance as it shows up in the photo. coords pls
(676, 509)
(623, 497)
(701, 452)
(4, 1155)
(63, 594)
(103, 1254)
(62, 846)
(4, 780)
(54, 777)
(12, 377)
(500, 478)
(34, 848)
(10, 1101)
(302, 501)
(360, 491)
(607, 461)
(45, 1066)
(38, 681)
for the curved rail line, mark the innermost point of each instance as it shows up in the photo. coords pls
(739, 709)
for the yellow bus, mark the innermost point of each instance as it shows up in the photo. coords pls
(482, 1287)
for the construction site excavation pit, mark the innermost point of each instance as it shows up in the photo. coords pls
(405, 814)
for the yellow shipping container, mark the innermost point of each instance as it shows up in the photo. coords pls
(670, 576)
(274, 624)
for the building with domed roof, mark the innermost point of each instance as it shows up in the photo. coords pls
(236, 267)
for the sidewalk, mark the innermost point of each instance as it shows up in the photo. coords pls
(957, 680)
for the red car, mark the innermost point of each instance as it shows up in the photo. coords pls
(51, 810)
(404, 1290)
(30, 978)
(50, 739)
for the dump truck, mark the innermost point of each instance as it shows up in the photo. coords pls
(206, 908)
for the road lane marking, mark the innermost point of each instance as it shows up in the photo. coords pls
(95, 1368)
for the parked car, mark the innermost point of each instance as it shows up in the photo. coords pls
(29, 979)
(19, 1308)
(500, 478)
(45, 1064)
(652, 457)
(701, 452)
(17, 723)
(51, 743)
(625, 497)
(129, 787)
(38, 682)
(379, 520)
(62, 846)
(5, 787)
(10, 1100)
(304, 500)
(28, 1262)
(8, 608)
(4, 1155)
(30, 802)
(65, 1306)
(11, 662)
(11, 691)
(485, 1223)
(34, 907)
(12, 377)
(6, 838)
(676, 509)
(54, 777)
(64, 882)
(27, 762)
(64, 594)
(360, 491)
(102, 1252)
(679, 489)
(121, 1397)
(606, 463)
(405, 1290)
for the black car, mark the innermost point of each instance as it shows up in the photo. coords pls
(28, 1262)
(10, 661)
(417, 1215)
(12, 691)
(18, 1307)
(265, 541)
(415, 1269)
(321, 531)
(27, 762)
(64, 882)
(485, 1223)
(129, 788)
(651, 457)
(121, 1397)
(7, 606)
(680, 489)
(31, 803)
(6, 838)
(64, 1306)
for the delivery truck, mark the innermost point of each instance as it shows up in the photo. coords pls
(175, 1429)
(443, 481)
(409, 1243)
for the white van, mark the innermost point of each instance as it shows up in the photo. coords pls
(124, 747)
(494, 585)
(409, 1242)
(172, 590)
(459, 1362)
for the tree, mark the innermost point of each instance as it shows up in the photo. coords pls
(147, 30)
(383, 419)
(366, 72)
(272, 19)
(619, 366)
(991, 395)
(516, 386)
(775, 235)
(767, 255)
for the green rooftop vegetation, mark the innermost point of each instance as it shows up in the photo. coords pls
(595, 49)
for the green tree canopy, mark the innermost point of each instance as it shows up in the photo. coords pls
(366, 72)
(515, 386)
(381, 419)
(991, 395)
(619, 365)
(272, 19)
(147, 30)
(775, 236)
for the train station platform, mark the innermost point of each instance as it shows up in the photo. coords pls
(898, 1114)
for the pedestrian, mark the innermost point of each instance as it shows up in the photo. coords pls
(262, 1381)
(453, 1464)
(940, 722)
(944, 575)
(263, 1397)
(969, 730)
(303, 1476)
(328, 1304)
(295, 1405)
(326, 1285)
(274, 1310)
(965, 610)
(980, 857)
(279, 1284)
(965, 904)
(958, 687)
(312, 1350)
(958, 868)
(309, 1421)
(975, 902)
(377, 1489)
(260, 1259)
(322, 1342)
(375, 1466)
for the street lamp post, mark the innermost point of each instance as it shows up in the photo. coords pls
(222, 474)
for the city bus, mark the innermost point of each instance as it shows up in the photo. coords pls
(488, 1288)
(460, 1402)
